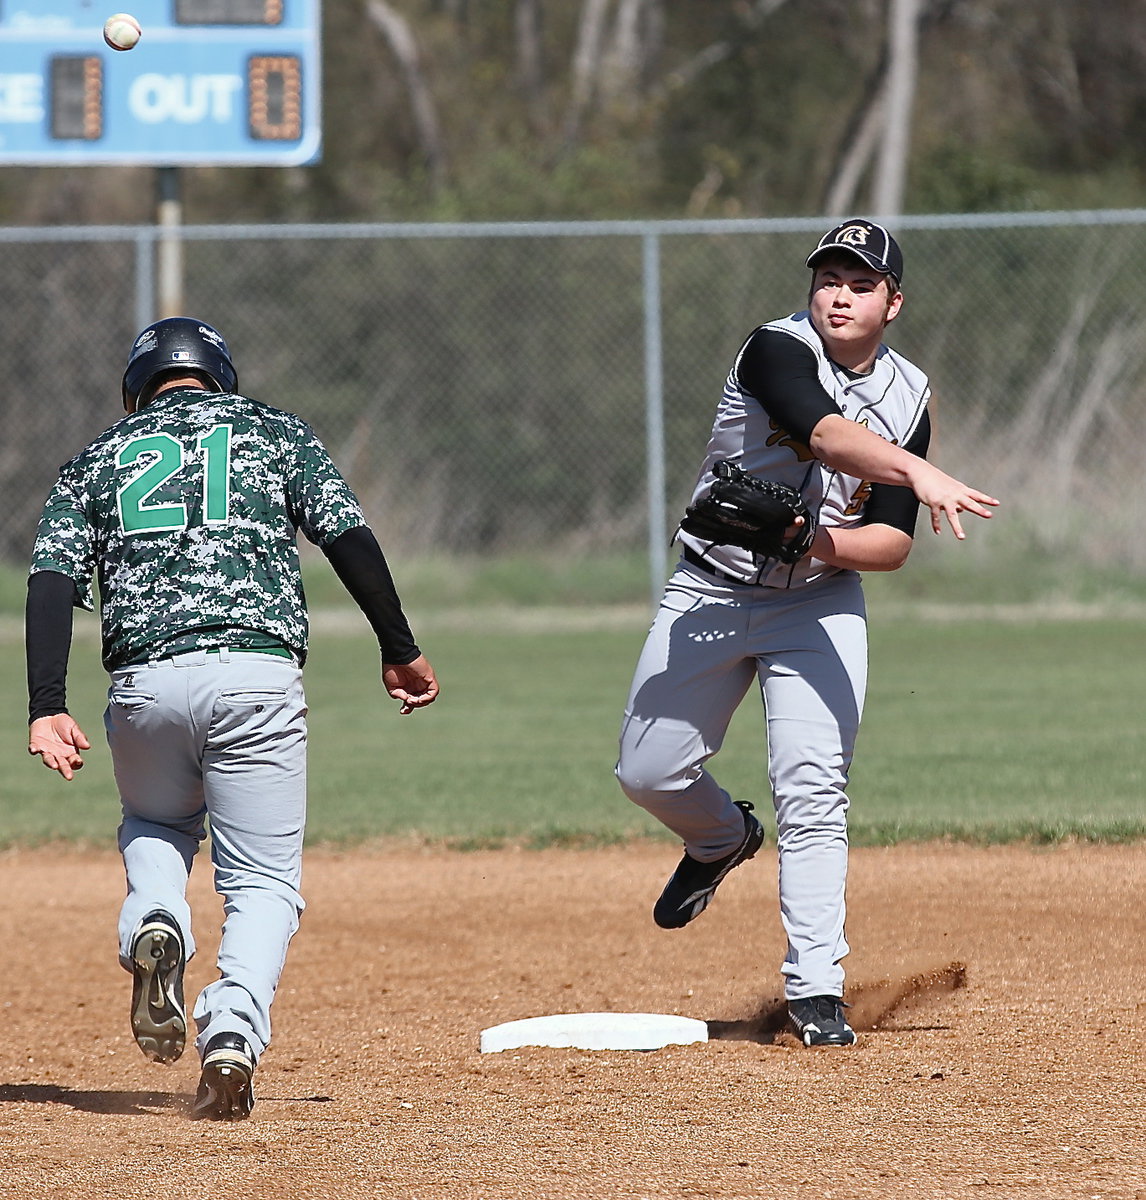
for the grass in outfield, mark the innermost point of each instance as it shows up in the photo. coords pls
(939, 573)
(987, 730)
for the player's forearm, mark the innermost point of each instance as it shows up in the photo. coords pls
(864, 548)
(849, 447)
(48, 641)
(359, 563)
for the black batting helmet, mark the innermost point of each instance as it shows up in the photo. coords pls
(177, 344)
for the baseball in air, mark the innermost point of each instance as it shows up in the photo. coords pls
(121, 31)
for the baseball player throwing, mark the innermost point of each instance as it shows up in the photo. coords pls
(816, 402)
(186, 510)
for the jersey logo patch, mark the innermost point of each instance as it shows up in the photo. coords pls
(779, 437)
(862, 494)
(860, 497)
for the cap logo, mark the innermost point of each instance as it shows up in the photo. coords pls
(853, 235)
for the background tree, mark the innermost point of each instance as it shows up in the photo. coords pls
(474, 109)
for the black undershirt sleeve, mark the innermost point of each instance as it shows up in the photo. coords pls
(898, 506)
(358, 561)
(48, 641)
(783, 375)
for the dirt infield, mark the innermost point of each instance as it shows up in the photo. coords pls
(1000, 994)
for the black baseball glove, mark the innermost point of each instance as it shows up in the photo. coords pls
(744, 510)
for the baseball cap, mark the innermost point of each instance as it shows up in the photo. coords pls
(868, 241)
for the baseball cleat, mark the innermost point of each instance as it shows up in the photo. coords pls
(158, 1019)
(819, 1021)
(688, 893)
(226, 1086)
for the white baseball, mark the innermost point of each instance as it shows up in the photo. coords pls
(121, 31)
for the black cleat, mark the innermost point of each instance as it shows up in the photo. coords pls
(226, 1091)
(158, 1019)
(819, 1021)
(688, 892)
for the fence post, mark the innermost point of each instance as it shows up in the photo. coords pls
(654, 414)
(144, 280)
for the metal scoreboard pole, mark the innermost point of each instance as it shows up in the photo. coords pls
(169, 216)
(210, 83)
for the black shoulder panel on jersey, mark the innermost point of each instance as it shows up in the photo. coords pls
(783, 375)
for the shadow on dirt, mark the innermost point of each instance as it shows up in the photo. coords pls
(140, 1104)
(871, 1007)
(119, 1103)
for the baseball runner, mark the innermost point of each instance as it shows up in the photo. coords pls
(814, 472)
(186, 511)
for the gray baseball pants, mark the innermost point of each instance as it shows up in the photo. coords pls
(807, 649)
(218, 738)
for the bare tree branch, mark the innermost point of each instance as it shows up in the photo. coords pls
(762, 10)
(717, 52)
(400, 38)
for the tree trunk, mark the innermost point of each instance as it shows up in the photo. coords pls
(530, 66)
(400, 38)
(586, 64)
(636, 32)
(903, 68)
(859, 149)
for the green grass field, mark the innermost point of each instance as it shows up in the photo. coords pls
(984, 730)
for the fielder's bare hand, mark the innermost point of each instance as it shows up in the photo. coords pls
(414, 684)
(946, 496)
(858, 451)
(58, 741)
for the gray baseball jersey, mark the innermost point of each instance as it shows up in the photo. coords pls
(891, 400)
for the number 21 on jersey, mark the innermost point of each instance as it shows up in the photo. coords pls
(141, 512)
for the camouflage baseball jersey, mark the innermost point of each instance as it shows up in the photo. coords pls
(186, 512)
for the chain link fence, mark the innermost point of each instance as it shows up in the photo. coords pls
(548, 388)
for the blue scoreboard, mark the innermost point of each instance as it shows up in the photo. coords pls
(210, 83)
